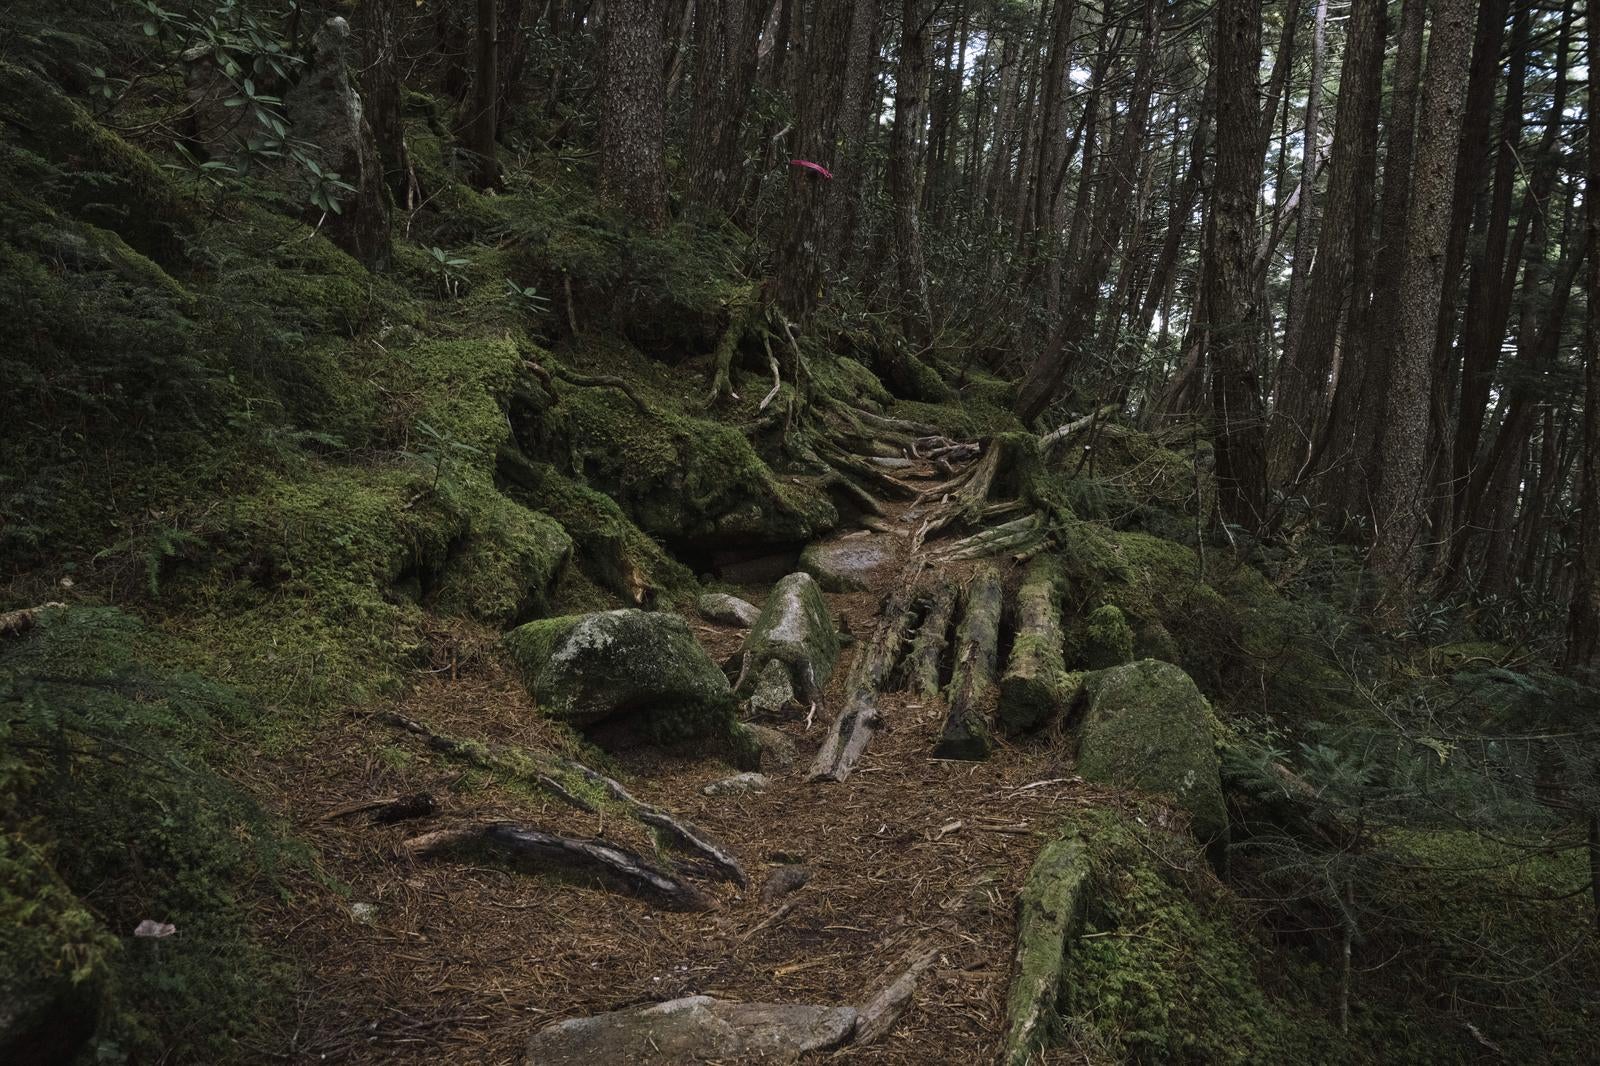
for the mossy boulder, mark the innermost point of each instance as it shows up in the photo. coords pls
(1146, 726)
(795, 631)
(727, 610)
(1104, 639)
(509, 566)
(583, 669)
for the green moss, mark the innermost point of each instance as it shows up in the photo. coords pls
(509, 567)
(585, 669)
(112, 816)
(109, 182)
(1167, 970)
(1103, 640)
(679, 477)
(613, 553)
(1148, 727)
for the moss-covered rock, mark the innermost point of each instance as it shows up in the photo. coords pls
(796, 631)
(1146, 726)
(509, 566)
(53, 961)
(681, 478)
(583, 669)
(1170, 971)
(1104, 639)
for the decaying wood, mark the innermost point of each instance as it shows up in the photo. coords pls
(933, 635)
(967, 734)
(386, 810)
(546, 773)
(1034, 687)
(852, 730)
(1049, 911)
(16, 623)
(1061, 433)
(614, 866)
(884, 1009)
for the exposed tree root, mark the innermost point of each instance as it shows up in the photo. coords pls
(967, 733)
(386, 810)
(746, 311)
(561, 778)
(1016, 535)
(613, 866)
(587, 381)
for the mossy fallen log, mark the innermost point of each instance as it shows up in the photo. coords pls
(1049, 911)
(1036, 686)
(933, 637)
(967, 732)
(852, 730)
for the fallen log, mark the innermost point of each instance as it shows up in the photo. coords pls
(1035, 685)
(852, 730)
(967, 734)
(613, 866)
(933, 636)
(1049, 911)
(16, 623)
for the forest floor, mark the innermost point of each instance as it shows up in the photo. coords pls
(462, 963)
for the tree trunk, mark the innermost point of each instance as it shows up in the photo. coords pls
(633, 175)
(1583, 629)
(1229, 294)
(820, 85)
(1401, 507)
(910, 86)
(1308, 355)
(485, 95)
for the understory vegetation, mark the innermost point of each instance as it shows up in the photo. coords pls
(252, 485)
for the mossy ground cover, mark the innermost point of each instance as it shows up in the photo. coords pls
(1169, 969)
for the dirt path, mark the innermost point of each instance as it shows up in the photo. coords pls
(461, 963)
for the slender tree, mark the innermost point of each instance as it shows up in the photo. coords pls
(633, 111)
(1401, 508)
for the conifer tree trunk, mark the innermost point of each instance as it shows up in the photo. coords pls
(485, 94)
(633, 172)
(380, 93)
(1229, 293)
(1583, 631)
(820, 82)
(910, 86)
(1401, 508)
(1313, 326)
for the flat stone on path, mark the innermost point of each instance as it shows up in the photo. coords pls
(695, 1029)
(723, 609)
(845, 565)
(749, 782)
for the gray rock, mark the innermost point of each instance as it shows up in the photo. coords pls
(325, 110)
(1148, 727)
(784, 880)
(726, 610)
(585, 668)
(791, 650)
(844, 565)
(693, 1029)
(729, 786)
(774, 750)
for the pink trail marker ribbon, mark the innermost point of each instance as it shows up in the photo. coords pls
(815, 168)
